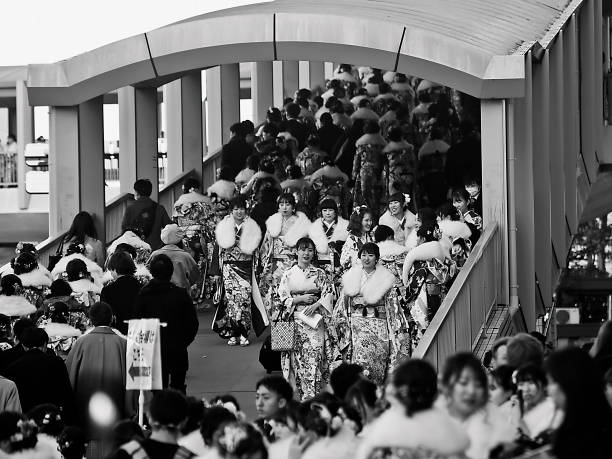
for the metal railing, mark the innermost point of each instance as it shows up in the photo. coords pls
(111, 167)
(114, 215)
(212, 163)
(8, 170)
(172, 190)
(457, 324)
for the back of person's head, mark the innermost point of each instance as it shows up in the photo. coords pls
(293, 110)
(168, 409)
(247, 127)
(60, 287)
(271, 129)
(364, 103)
(212, 419)
(227, 401)
(76, 269)
(239, 439)
(143, 187)
(237, 130)
(161, 268)
(313, 140)
(127, 248)
(266, 166)
(226, 173)
(191, 184)
(82, 225)
(26, 247)
(195, 411)
(48, 418)
(24, 263)
(343, 377)
(34, 337)
(362, 396)
(20, 326)
(447, 210)
(302, 102)
(416, 385)
(59, 312)
(326, 119)
(101, 314)
(252, 162)
(125, 431)
(295, 172)
(17, 432)
(10, 285)
(371, 127)
(503, 376)
(427, 215)
(382, 233)
(523, 348)
(122, 263)
(274, 115)
(278, 385)
(72, 443)
(75, 247)
(303, 93)
(395, 134)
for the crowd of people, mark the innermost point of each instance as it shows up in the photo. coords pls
(338, 225)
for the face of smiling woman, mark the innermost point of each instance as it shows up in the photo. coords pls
(368, 260)
(305, 254)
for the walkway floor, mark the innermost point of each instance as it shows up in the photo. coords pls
(216, 368)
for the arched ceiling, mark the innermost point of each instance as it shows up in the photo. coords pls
(476, 46)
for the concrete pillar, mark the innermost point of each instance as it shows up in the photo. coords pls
(183, 101)
(223, 94)
(494, 184)
(76, 165)
(137, 137)
(261, 90)
(329, 70)
(286, 80)
(588, 79)
(24, 118)
(12, 120)
(312, 75)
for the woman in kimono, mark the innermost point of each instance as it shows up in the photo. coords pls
(305, 293)
(401, 164)
(329, 232)
(368, 166)
(238, 237)
(35, 279)
(457, 232)
(278, 250)
(329, 182)
(398, 217)
(359, 232)
(392, 254)
(368, 320)
(427, 270)
(195, 215)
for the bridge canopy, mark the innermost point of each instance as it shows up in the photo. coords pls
(475, 46)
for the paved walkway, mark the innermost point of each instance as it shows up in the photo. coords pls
(216, 368)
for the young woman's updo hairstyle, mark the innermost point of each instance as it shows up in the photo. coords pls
(371, 127)
(428, 232)
(416, 385)
(355, 226)
(76, 270)
(75, 247)
(24, 263)
(18, 431)
(239, 439)
(288, 198)
(190, 183)
(427, 215)
(10, 285)
(59, 287)
(371, 249)
(382, 233)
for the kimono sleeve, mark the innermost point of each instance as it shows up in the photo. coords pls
(327, 292)
(284, 293)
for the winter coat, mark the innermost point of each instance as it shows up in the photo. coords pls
(121, 295)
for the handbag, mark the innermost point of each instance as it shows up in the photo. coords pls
(53, 259)
(282, 333)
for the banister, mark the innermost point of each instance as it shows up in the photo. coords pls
(176, 180)
(118, 200)
(431, 335)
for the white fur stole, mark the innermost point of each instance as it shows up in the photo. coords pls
(298, 229)
(223, 189)
(455, 229)
(298, 282)
(36, 278)
(85, 286)
(250, 238)
(425, 251)
(94, 269)
(316, 233)
(374, 289)
(391, 249)
(15, 305)
(129, 238)
(61, 330)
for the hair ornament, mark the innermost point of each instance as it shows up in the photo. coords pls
(232, 435)
(25, 429)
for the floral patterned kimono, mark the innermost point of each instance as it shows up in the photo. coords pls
(195, 215)
(368, 166)
(401, 167)
(402, 228)
(369, 322)
(350, 250)
(329, 240)
(310, 159)
(35, 284)
(237, 256)
(278, 254)
(143, 249)
(330, 182)
(459, 234)
(307, 367)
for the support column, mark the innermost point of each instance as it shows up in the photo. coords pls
(24, 119)
(137, 138)
(183, 100)
(494, 179)
(261, 90)
(286, 80)
(12, 120)
(223, 94)
(76, 165)
(588, 80)
(312, 75)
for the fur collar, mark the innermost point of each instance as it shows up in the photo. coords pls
(298, 229)
(224, 189)
(392, 221)
(412, 240)
(298, 281)
(226, 234)
(141, 271)
(63, 330)
(371, 139)
(374, 289)
(15, 305)
(391, 249)
(455, 229)
(365, 113)
(395, 146)
(8, 269)
(94, 269)
(331, 172)
(84, 286)
(129, 238)
(190, 198)
(36, 278)
(425, 251)
(316, 233)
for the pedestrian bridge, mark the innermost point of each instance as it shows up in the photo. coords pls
(534, 64)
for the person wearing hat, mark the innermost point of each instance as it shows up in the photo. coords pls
(398, 217)
(186, 270)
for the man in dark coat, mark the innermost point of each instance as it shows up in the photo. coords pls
(294, 126)
(172, 305)
(40, 377)
(121, 293)
(235, 152)
(144, 216)
(96, 363)
(10, 355)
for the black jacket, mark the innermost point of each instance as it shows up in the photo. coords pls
(172, 305)
(161, 219)
(234, 154)
(42, 378)
(121, 296)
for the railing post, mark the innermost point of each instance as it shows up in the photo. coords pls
(25, 135)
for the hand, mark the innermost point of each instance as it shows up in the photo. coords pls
(305, 299)
(312, 309)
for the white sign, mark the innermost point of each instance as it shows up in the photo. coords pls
(143, 357)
